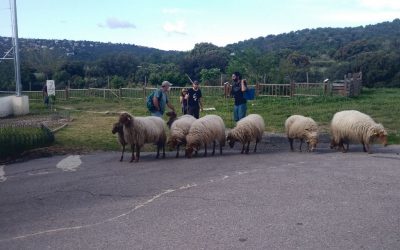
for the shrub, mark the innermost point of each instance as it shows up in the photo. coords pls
(16, 140)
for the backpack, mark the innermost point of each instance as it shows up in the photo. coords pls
(149, 101)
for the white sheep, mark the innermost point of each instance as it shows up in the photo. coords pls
(179, 128)
(205, 130)
(119, 129)
(249, 128)
(353, 126)
(302, 128)
(141, 130)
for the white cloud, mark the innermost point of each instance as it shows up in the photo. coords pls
(177, 27)
(114, 23)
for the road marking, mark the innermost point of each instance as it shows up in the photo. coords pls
(70, 164)
(3, 178)
(130, 211)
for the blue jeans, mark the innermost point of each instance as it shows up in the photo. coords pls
(157, 113)
(239, 111)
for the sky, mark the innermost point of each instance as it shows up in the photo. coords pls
(180, 24)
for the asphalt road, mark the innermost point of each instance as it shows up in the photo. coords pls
(273, 199)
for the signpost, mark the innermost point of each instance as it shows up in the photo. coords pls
(51, 92)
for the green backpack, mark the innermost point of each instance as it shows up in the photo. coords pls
(149, 101)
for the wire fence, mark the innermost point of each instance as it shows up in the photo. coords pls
(261, 89)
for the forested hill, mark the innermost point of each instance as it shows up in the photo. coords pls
(317, 53)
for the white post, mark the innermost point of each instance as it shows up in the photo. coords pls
(16, 52)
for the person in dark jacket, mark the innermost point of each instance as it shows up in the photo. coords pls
(194, 100)
(239, 86)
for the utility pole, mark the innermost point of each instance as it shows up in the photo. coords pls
(16, 51)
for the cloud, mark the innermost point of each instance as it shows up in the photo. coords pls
(114, 23)
(177, 27)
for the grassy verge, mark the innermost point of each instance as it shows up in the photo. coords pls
(93, 118)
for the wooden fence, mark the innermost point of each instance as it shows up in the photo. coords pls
(350, 87)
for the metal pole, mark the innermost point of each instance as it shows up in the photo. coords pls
(16, 52)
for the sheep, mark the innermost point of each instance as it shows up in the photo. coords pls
(179, 128)
(119, 129)
(250, 128)
(207, 129)
(303, 128)
(353, 126)
(141, 130)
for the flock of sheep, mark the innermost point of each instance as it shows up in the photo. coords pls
(346, 126)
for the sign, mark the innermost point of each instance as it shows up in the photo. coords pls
(51, 87)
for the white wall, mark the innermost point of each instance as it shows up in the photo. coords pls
(14, 105)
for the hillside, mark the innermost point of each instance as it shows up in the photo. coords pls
(314, 53)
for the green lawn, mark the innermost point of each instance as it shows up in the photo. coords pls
(93, 117)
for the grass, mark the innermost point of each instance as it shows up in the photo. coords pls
(93, 117)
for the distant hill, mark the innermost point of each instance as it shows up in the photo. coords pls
(314, 53)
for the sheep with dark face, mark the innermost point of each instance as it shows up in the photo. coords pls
(179, 128)
(118, 129)
(203, 131)
(141, 130)
(353, 126)
(302, 128)
(249, 128)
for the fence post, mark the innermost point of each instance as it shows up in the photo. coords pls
(120, 93)
(257, 88)
(292, 87)
(66, 93)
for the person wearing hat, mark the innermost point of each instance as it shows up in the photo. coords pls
(193, 98)
(183, 101)
(160, 100)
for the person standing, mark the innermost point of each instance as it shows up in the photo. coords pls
(239, 86)
(45, 95)
(160, 100)
(194, 100)
(183, 101)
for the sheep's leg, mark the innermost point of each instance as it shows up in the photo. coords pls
(368, 149)
(163, 150)
(248, 146)
(205, 149)
(255, 147)
(291, 143)
(133, 152)
(158, 150)
(301, 143)
(341, 145)
(213, 152)
(137, 153)
(122, 154)
(365, 150)
(220, 149)
(243, 145)
(177, 150)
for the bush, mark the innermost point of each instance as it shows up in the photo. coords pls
(16, 140)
